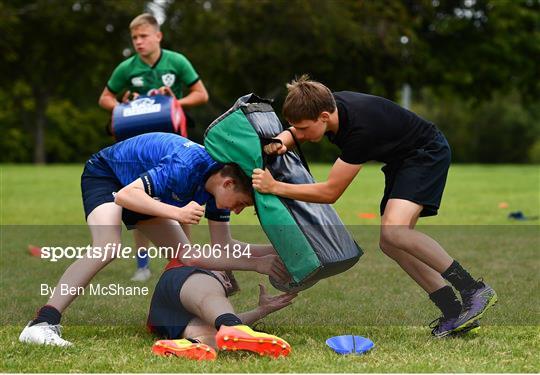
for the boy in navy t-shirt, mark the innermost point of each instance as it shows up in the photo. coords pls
(416, 156)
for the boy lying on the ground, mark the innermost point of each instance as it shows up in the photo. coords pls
(190, 309)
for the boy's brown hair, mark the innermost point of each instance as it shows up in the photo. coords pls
(143, 19)
(242, 181)
(306, 100)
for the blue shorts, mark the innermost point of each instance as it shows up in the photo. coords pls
(167, 317)
(98, 186)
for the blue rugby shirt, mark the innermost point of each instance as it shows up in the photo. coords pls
(172, 168)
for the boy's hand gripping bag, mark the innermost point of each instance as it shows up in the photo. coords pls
(310, 238)
(147, 114)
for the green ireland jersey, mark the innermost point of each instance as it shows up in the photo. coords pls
(172, 69)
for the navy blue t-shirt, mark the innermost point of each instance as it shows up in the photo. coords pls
(173, 169)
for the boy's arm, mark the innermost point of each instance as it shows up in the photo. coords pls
(340, 177)
(287, 140)
(267, 305)
(220, 233)
(134, 198)
(197, 95)
(116, 83)
(108, 101)
(226, 259)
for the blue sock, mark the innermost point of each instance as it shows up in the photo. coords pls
(142, 260)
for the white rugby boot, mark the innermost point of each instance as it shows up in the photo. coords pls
(43, 334)
(142, 274)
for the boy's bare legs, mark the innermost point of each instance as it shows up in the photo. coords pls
(187, 231)
(204, 296)
(425, 276)
(397, 231)
(203, 332)
(141, 240)
(163, 232)
(217, 325)
(105, 226)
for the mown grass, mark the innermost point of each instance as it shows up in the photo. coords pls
(374, 299)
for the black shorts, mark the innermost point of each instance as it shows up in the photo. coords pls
(98, 186)
(420, 177)
(167, 317)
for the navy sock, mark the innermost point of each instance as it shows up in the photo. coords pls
(460, 278)
(47, 314)
(228, 320)
(446, 300)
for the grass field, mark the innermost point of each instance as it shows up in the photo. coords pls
(374, 299)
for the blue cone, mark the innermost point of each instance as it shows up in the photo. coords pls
(349, 344)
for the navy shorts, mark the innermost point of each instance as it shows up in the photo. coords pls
(98, 186)
(420, 177)
(167, 317)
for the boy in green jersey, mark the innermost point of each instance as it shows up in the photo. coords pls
(152, 69)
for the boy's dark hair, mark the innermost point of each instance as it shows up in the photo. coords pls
(242, 181)
(306, 100)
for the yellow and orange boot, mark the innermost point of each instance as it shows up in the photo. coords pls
(241, 337)
(184, 348)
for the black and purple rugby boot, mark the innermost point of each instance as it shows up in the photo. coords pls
(443, 326)
(476, 302)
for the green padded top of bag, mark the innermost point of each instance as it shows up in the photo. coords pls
(232, 139)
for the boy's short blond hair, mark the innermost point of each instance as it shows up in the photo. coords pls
(306, 100)
(144, 19)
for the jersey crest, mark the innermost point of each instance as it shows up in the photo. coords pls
(168, 79)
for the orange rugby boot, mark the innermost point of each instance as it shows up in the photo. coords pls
(242, 337)
(184, 348)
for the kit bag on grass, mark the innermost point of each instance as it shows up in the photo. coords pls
(310, 238)
(147, 114)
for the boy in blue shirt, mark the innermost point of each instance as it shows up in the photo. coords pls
(154, 182)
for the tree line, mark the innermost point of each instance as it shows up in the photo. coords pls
(472, 65)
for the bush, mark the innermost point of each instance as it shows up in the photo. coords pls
(501, 130)
(74, 134)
